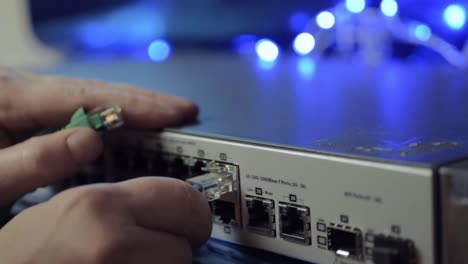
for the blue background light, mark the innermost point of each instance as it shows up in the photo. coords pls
(422, 32)
(355, 6)
(325, 20)
(245, 44)
(304, 43)
(455, 16)
(159, 50)
(389, 7)
(298, 21)
(267, 50)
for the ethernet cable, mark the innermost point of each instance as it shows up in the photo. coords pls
(100, 119)
(219, 180)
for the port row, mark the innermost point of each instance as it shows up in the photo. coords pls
(295, 226)
(294, 220)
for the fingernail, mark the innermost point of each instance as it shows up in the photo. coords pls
(84, 145)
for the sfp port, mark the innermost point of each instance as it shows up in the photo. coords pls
(261, 215)
(295, 223)
(345, 241)
(393, 250)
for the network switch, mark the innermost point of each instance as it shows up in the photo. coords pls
(316, 213)
(373, 161)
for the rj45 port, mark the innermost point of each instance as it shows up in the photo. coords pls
(261, 215)
(295, 223)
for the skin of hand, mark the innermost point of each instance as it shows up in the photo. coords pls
(145, 220)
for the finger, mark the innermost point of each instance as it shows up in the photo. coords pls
(147, 247)
(183, 108)
(63, 82)
(45, 160)
(50, 101)
(169, 205)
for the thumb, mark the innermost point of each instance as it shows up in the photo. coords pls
(44, 160)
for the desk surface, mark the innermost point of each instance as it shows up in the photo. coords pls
(403, 112)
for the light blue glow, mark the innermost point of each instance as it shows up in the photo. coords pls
(306, 67)
(267, 50)
(304, 43)
(325, 20)
(265, 65)
(455, 16)
(298, 21)
(422, 32)
(159, 50)
(355, 6)
(389, 7)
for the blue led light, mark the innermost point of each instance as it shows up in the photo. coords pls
(267, 50)
(304, 43)
(389, 7)
(422, 32)
(455, 16)
(159, 50)
(355, 6)
(325, 20)
(265, 65)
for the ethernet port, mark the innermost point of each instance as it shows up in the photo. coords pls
(178, 169)
(295, 223)
(120, 158)
(261, 215)
(160, 166)
(224, 212)
(196, 169)
(139, 166)
(129, 162)
(345, 241)
(148, 159)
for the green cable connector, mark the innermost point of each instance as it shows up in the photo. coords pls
(101, 119)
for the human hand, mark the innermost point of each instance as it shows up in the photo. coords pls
(145, 220)
(29, 103)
